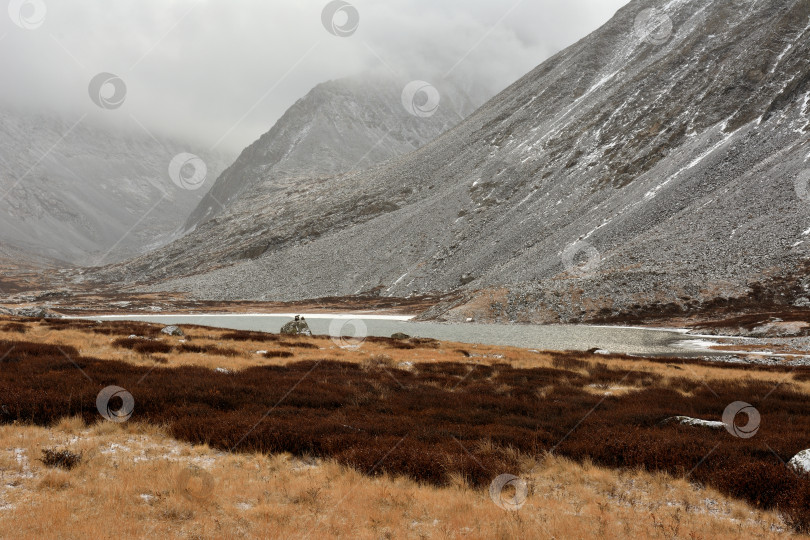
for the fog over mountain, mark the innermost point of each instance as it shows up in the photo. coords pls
(83, 194)
(219, 74)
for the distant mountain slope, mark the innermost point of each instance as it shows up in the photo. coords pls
(339, 126)
(677, 162)
(80, 193)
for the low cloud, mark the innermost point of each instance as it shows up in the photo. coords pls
(221, 73)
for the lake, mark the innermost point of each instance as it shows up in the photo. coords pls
(628, 340)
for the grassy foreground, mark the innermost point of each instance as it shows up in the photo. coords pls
(136, 482)
(396, 438)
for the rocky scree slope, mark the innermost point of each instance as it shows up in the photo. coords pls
(674, 167)
(342, 125)
(71, 191)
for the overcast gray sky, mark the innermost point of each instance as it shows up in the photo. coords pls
(221, 72)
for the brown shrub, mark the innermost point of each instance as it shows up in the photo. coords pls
(243, 335)
(278, 354)
(64, 459)
(208, 349)
(19, 328)
(143, 346)
(297, 344)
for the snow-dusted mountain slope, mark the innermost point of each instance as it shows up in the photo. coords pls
(339, 126)
(664, 158)
(85, 194)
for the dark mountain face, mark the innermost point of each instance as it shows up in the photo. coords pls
(664, 158)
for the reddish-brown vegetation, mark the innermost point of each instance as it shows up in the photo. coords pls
(16, 327)
(207, 349)
(437, 419)
(243, 335)
(278, 354)
(143, 346)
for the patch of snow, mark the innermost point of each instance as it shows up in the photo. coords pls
(696, 422)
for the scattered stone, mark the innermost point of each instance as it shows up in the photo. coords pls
(223, 370)
(400, 335)
(696, 422)
(36, 313)
(173, 331)
(800, 463)
(296, 328)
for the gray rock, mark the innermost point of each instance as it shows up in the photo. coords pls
(296, 328)
(400, 335)
(37, 313)
(173, 331)
(800, 462)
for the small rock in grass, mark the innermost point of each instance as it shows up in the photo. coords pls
(697, 422)
(800, 463)
(172, 331)
(399, 335)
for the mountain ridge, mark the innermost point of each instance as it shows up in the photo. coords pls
(613, 176)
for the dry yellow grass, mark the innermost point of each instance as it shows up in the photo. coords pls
(136, 483)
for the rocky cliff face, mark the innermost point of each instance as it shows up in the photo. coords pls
(664, 158)
(78, 193)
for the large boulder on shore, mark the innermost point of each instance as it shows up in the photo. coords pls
(296, 328)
